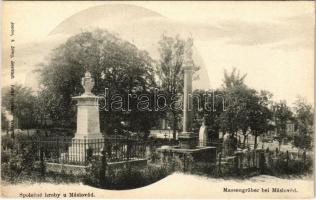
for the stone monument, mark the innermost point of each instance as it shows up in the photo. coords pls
(187, 138)
(203, 135)
(88, 122)
(188, 154)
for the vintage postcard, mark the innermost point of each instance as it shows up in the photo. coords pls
(158, 99)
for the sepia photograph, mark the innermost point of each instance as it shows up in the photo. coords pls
(157, 99)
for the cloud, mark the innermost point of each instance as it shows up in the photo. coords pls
(285, 33)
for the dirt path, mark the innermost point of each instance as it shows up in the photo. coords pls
(180, 186)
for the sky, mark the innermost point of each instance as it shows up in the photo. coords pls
(271, 42)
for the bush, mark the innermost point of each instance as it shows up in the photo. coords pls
(282, 167)
(7, 142)
(127, 177)
(12, 169)
(5, 156)
(18, 160)
(303, 141)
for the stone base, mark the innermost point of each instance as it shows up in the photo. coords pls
(67, 169)
(90, 136)
(81, 169)
(81, 149)
(188, 140)
(188, 159)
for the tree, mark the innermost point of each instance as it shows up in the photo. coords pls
(247, 101)
(235, 91)
(46, 107)
(304, 117)
(233, 79)
(20, 101)
(115, 64)
(4, 122)
(246, 109)
(282, 114)
(259, 114)
(173, 52)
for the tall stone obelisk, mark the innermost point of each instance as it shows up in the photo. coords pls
(187, 138)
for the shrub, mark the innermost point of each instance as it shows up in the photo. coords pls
(12, 169)
(93, 172)
(282, 167)
(18, 161)
(303, 141)
(127, 177)
(5, 156)
(7, 142)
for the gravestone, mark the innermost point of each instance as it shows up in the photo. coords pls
(203, 135)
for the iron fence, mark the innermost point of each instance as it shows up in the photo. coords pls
(80, 151)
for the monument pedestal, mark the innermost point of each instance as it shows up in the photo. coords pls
(188, 140)
(187, 159)
(88, 120)
(81, 149)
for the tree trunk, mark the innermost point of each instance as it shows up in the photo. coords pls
(244, 132)
(255, 145)
(280, 142)
(244, 142)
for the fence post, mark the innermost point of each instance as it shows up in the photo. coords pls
(86, 159)
(254, 158)
(287, 160)
(184, 162)
(304, 159)
(241, 161)
(236, 163)
(103, 167)
(42, 164)
(115, 132)
(89, 153)
(128, 148)
(219, 163)
(58, 150)
(269, 158)
(261, 161)
(248, 159)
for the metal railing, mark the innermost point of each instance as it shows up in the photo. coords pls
(80, 151)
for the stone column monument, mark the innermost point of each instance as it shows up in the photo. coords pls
(88, 122)
(188, 155)
(187, 138)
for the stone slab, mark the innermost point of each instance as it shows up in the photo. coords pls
(81, 169)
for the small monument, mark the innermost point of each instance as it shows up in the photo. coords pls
(203, 135)
(229, 144)
(88, 121)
